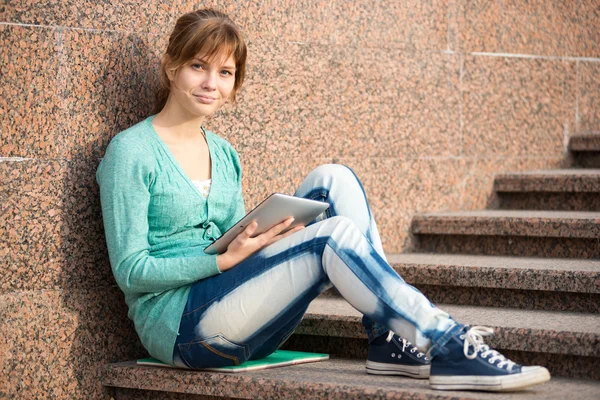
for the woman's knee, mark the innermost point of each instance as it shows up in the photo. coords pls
(333, 171)
(339, 224)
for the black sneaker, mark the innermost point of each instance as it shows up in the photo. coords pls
(393, 355)
(467, 363)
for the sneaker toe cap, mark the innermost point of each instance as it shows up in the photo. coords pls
(536, 370)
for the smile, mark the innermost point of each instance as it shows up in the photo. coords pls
(205, 99)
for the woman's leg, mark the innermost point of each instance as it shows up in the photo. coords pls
(229, 316)
(249, 310)
(339, 186)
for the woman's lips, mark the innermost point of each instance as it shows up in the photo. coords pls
(205, 99)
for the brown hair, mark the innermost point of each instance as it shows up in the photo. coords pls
(207, 32)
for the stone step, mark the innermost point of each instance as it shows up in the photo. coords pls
(586, 150)
(333, 379)
(559, 234)
(523, 330)
(512, 282)
(585, 142)
(567, 343)
(568, 190)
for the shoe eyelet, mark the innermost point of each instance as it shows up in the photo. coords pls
(419, 355)
(490, 361)
(462, 337)
(413, 350)
(393, 354)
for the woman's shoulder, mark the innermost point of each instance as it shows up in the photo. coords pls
(134, 138)
(130, 147)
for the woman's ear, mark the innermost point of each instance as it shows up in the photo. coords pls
(167, 67)
(170, 73)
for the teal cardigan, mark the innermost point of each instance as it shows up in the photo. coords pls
(157, 225)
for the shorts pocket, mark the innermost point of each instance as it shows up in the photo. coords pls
(212, 352)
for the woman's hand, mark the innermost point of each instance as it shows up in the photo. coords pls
(244, 245)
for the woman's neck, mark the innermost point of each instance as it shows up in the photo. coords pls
(181, 125)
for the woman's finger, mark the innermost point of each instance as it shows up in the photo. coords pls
(277, 229)
(288, 233)
(247, 233)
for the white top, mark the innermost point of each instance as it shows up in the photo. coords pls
(202, 186)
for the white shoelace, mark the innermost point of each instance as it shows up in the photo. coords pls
(405, 344)
(474, 337)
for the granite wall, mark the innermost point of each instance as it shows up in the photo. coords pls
(426, 100)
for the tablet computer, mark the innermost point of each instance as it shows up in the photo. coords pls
(274, 209)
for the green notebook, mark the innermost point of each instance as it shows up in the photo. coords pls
(279, 358)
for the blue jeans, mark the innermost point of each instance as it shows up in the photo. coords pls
(248, 311)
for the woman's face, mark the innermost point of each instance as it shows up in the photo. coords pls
(201, 87)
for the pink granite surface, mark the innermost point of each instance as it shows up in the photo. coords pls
(525, 273)
(372, 86)
(53, 227)
(589, 142)
(566, 180)
(53, 344)
(588, 98)
(545, 28)
(32, 214)
(565, 201)
(520, 330)
(558, 224)
(519, 246)
(479, 182)
(512, 298)
(122, 15)
(333, 379)
(517, 106)
(30, 93)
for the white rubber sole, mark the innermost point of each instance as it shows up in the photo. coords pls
(417, 371)
(529, 377)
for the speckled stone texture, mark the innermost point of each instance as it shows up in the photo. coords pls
(53, 344)
(584, 225)
(333, 379)
(522, 330)
(566, 180)
(479, 182)
(30, 109)
(519, 246)
(585, 142)
(122, 15)
(391, 89)
(561, 275)
(136, 394)
(53, 227)
(586, 150)
(512, 298)
(558, 364)
(556, 190)
(547, 28)
(503, 97)
(551, 201)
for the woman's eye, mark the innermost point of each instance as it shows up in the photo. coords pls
(197, 66)
(226, 73)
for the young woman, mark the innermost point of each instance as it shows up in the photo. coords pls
(169, 188)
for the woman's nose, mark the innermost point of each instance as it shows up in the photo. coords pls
(210, 81)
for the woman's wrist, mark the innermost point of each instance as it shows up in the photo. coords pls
(224, 262)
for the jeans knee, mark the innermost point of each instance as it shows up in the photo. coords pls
(342, 227)
(334, 171)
